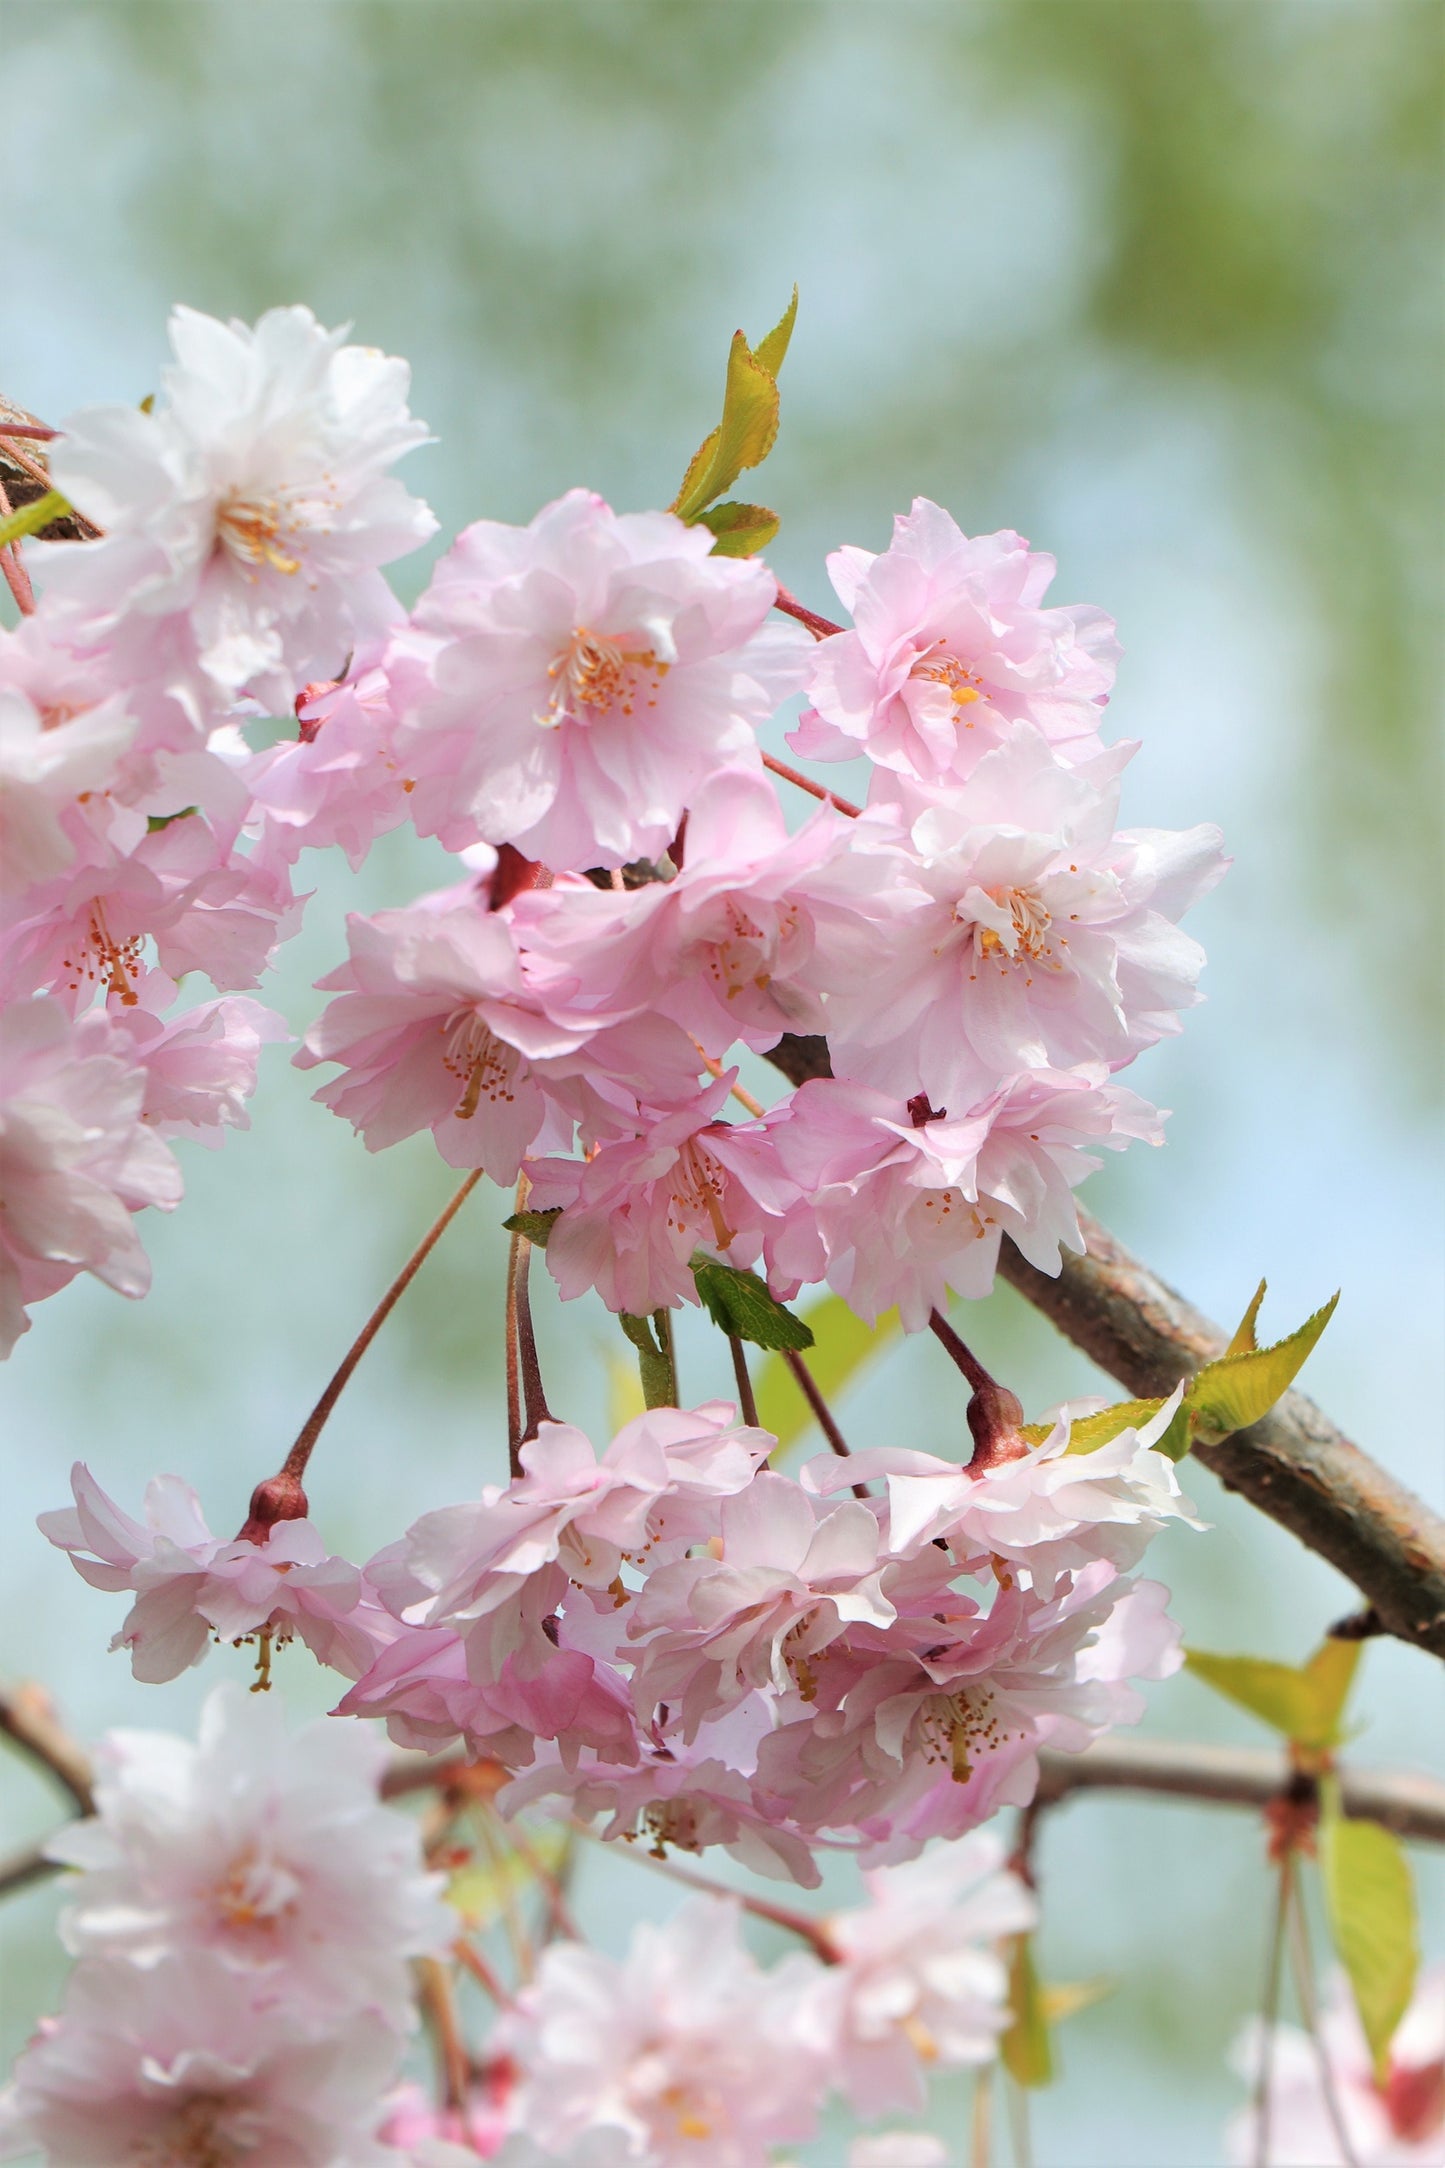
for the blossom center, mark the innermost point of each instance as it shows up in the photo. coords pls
(484, 1064)
(596, 676)
(958, 1728)
(250, 528)
(937, 667)
(104, 960)
(190, 2138)
(1028, 934)
(256, 1895)
(698, 1183)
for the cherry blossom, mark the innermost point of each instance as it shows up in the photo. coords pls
(76, 1161)
(179, 2064)
(200, 1067)
(740, 942)
(635, 1213)
(248, 514)
(1050, 1511)
(337, 781)
(48, 760)
(899, 1203)
(920, 1979)
(1397, 2124)
(686, 2049)
(1040, 937)
(436, 1028)
(590, 671)
(191, 1585)
(949, 646)
(268, 1849)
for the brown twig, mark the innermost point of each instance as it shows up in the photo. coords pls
(747, 1398)
(1409, 1804)
(822, 1413)
(822, 628)
(814, 790)
(29, 1722)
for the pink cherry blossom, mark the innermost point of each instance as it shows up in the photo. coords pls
(474, 2131)
(244, 518)
(899, 1203)
(181, 2064)
(1397, 2124)
(76, 1160)
(785, 1580)
(741, 942)
(590, 671)
(920, 1983)
(1039, 938)
(200, 1068)
(436, 1028)
(338, 780)
(204, 906)
(949, 646)
(48, 760)
(1051, 1511)
(191, 1585)
(635, 1213)
(686, 2049)
(268, 1849)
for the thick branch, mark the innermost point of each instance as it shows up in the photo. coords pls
(1411, 1805)
(1294, 1465)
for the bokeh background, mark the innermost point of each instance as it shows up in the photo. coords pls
(1156, 282)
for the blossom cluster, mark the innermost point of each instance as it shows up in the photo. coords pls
(243, 1917)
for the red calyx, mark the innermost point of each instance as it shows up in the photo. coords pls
(920, 1112)
(511, 874)
(995, 1416)
(279, 1498)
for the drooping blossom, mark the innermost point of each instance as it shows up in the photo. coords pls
(435, 1028)
(1050, 1511)
(949, 645)
(180, 2066)
(740, 942)
(901, 1202)
(1399, 2123)
(200, 1066)
(245, 518)
(686, 2049)
(265, 1848)
(634, 1214)
(190, 1585)
(589, 672)
(77, 1161)
(337, 781)
(920, 1983)
(1040, 937)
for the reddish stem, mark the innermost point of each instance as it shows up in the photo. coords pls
(995, 1415)
(294, 1465)
(747, 1399)
(533, 1392)
(803, 1378)
(36, 430)
(822, 628)
(814, 790)
(16, 578)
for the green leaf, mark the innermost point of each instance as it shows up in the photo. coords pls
(1237, 1390)
(32, 517)
(1370, 1900)
(1244, 1342)
(740, 1303)
(842, 1343)
(1092, 1431)
(536, 1226)
(1304, 1702)
(156, 821)
(743, 438)
(741, 529)
(1025, 2049)
(772, 350)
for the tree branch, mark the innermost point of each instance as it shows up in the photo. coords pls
(1294, 1465)
(1411, 1805)
(28, 1720)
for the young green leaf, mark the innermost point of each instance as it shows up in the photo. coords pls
(1088, 1432)
(1237, 1390)
(1027, 2055)
(1244, 1342)
(842, 1343)
(741, 529)
(536, 1226)
(743, 438)
(32, 517)
(157, 821)
(772, 350)
(1304, 1702)
(1370, 1900)
(740, 1304)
